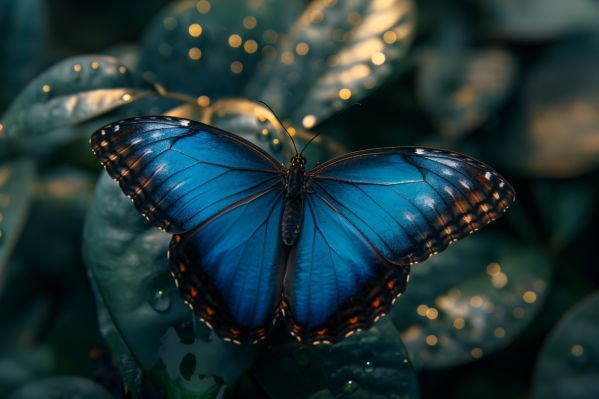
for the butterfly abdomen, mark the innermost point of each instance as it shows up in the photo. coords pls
(291, 221)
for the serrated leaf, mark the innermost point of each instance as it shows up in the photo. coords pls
(461, 89)
(126, 259)
(372, 364)
(16, 185)
(568, 365)
(72, 91)
(62, 388)
(335, 52)
(213, 48)
(471, 300)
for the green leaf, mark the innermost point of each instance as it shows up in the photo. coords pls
(16, 186)
(309, 77)
(568, 365)
(22, 366)
(130, 371)
(372, 364)
(471, 300)
(62, 388)
(126, 259)
(23, 32)
(72, 91)
(461, 89)
(191, 29)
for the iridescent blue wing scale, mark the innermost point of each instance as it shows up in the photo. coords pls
(389, 208)
(222, 198)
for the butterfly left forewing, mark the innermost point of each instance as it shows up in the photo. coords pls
(178, 172)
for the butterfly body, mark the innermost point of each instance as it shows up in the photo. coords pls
(328, 250)
(295, 187)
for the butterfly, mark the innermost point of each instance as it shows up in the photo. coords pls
(327, 250)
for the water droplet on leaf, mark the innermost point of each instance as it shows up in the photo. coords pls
(161, 301)
(580, 356)
(350, 386)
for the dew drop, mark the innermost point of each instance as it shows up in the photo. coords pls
(368, 367)
(580, 356)
(275, 145)
(264, 134)
(350, 386)
(161, 301)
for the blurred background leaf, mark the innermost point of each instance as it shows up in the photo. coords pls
(568, 365)
(23, 35)
(471, 300)
(461, 89)
(16, 187)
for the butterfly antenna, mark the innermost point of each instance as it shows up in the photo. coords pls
(309, 141)
(280, 123)
(318, 134)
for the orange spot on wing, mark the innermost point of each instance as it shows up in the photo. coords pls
(390, 284)
(194, 292)
(376, 303)
(209, 311)
(182, 267)
(321, 332)
(235, 331)
(353, 320)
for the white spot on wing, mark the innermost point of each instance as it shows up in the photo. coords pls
(488, 175)
(184, 123)
(428, 201)
(419, 151)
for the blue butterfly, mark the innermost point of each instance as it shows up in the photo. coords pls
(328, 250)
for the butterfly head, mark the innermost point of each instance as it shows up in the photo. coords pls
(298, 161)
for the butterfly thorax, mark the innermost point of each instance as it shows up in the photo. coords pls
(295, 183)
